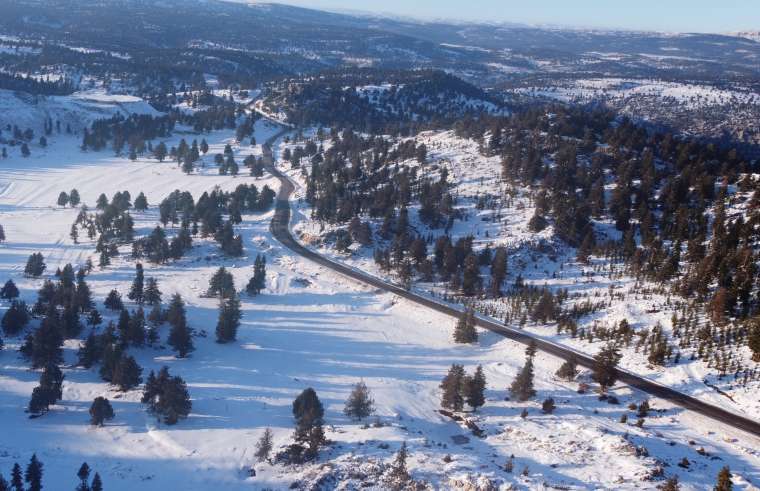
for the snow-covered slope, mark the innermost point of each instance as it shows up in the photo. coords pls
(310, 328)
(76, 111)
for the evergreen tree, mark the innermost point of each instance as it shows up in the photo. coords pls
(229, 320)
(136, 291)
(97, 483)
(74, 198)
(264, 445)
(308, 413)
(17, 478)
(167, 397)
(548, 406)
(452, 387)
(465, 331)
(724, 480)
(258, 282)
(568, 370)
(94, 318)
(399, 474)
(63, 199)
(90, 352)
(522, 387)
(113, 301)
(141, 202)
(180, 336)
(33, 474)
(83, 296)
(359, 404)
(49, 391)
(2, 234)
(102, 202)
(35, 265)
(15, 318)
(221, 284)
(126, 374)
(44, 346)
(4, 486)
(474, 389)
(84, 476)
(605, 366)
(151, 293)
(9, 291)
(100, 411)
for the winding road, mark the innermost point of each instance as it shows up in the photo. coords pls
(281, 231)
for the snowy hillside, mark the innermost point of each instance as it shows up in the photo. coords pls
(312, 328)
(74, 112)
(539, 259)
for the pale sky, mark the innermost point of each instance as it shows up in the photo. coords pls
(662, 15)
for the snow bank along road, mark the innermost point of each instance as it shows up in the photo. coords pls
(281, 231)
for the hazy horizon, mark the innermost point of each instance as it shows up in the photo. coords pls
(649, 15)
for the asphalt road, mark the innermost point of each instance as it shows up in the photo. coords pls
(281, 231)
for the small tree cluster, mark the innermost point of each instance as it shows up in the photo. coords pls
(459, 388)
(167, 396)
(49, 391)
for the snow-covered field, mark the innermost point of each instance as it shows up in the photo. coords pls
(310, 328)
(617, 89)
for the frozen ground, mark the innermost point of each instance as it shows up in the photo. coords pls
(473, 177)
(310, 328)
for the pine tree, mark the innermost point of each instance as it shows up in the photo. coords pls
(15, 318)
(151, 293)
(464, 331)
(452, 384)
(399, 473)
(97, 483)
(113, 301)
(359, 404)
(33, 474)
(2, 234)
(308, 413)
(724, 480)
(63, 199)
(180, 336)
(221, 284)
(264, 445)
(84, 476)
(605, 366)
(9, 291)
(44, 346)
(4, 486)
(35, 265)
(474, 389)
(100, 411)
(141, 202)
(136, 291)
(74, 198)
(522, 387)
(17, 478)
(229, 320)
(568, 370)
(258, 282)
(126, 374)
(548, 406)
(90, 352)
(167, 397)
